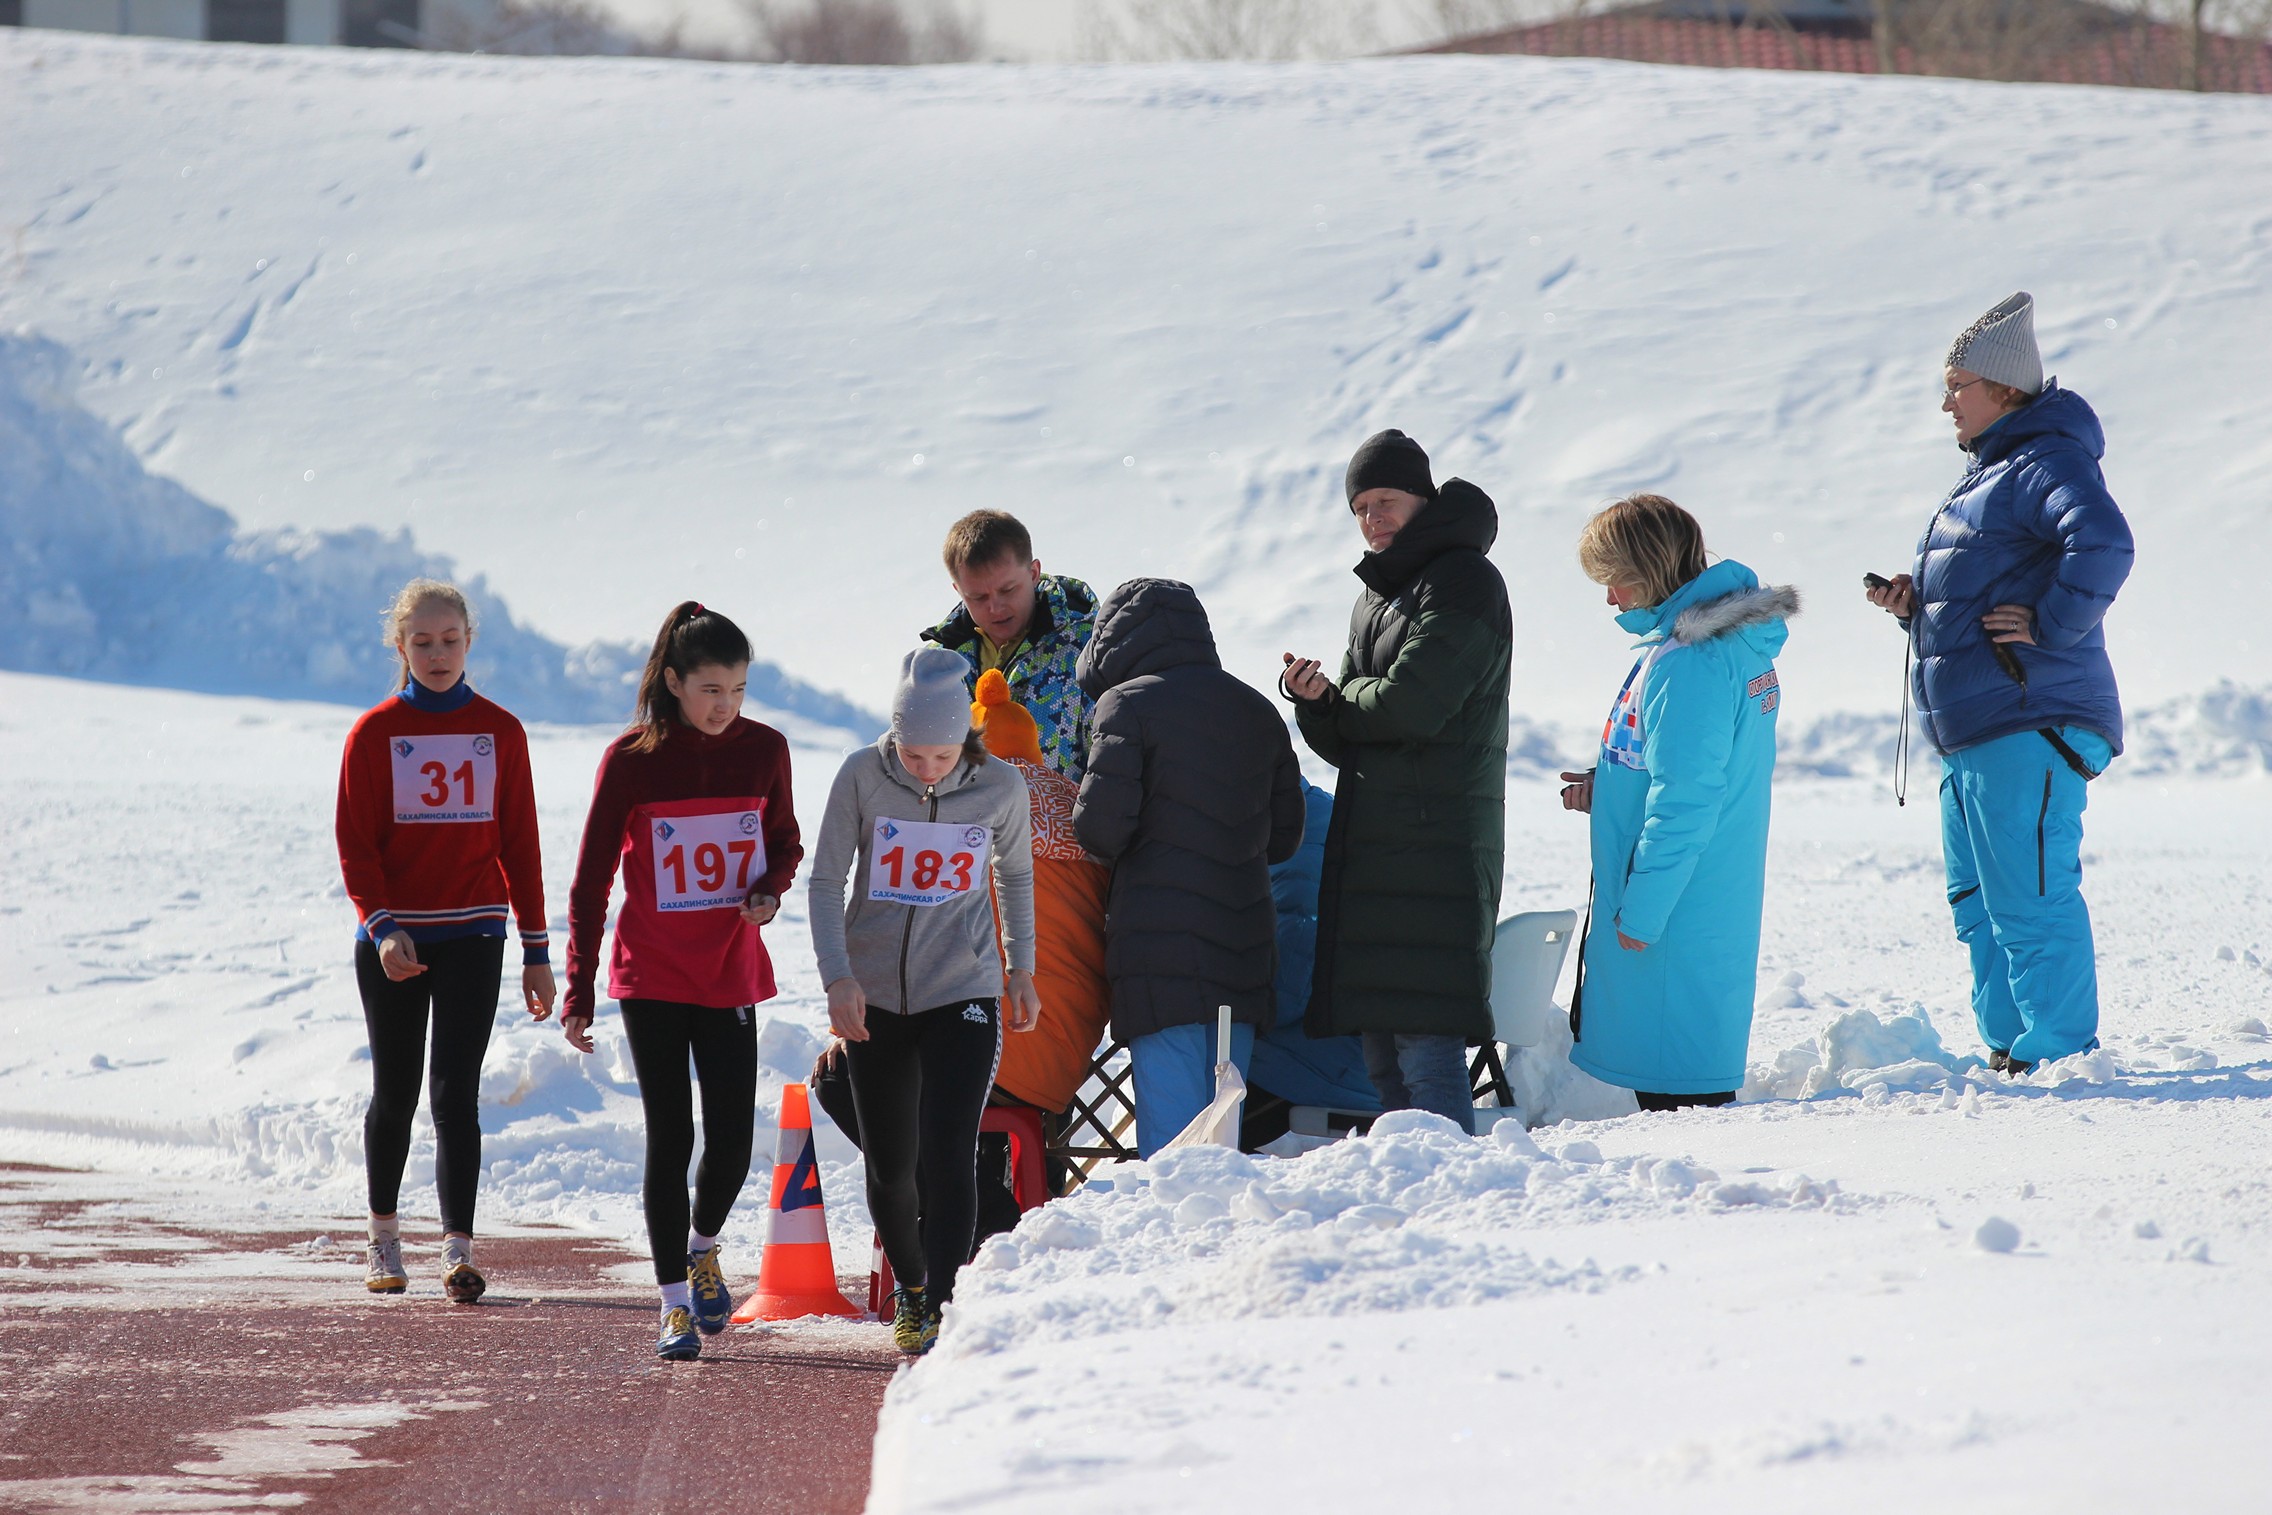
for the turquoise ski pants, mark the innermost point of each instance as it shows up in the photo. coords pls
(2012, 834)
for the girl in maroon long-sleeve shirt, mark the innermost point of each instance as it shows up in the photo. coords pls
(693, 805)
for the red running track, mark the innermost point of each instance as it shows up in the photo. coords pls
(143, 1366)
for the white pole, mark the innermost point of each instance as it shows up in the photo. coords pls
(1222, 1035)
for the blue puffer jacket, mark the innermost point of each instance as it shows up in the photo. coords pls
(1288, 1061)
(2030, 523)
(1680, 838)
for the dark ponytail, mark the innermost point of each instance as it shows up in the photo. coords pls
(692, 637)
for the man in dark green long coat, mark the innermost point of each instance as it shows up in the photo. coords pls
(1418, 727)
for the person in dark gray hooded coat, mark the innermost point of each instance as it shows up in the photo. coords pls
(1191, 793)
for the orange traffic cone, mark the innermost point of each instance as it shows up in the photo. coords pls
(797, 1274)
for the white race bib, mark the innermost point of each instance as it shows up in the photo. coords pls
(707, 862)
(444, 778)
(926, 862)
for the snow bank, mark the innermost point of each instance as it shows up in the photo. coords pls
(109, 571)
(1858, 1052)
(1413, 1216)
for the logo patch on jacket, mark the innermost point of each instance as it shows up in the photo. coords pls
(1621, 737)
(1767, 689)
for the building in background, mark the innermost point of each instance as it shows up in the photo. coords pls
(352, 23)
(2043, 41)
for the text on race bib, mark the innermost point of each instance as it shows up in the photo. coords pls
(926, 862)
(707, 862)
(444, 779)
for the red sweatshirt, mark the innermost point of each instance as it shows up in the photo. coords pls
(696, 825)
(437, 821)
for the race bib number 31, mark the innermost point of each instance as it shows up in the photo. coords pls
(926, 862)
(707, 862)
(444, 779)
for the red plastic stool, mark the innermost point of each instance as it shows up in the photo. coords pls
(1029, 1185)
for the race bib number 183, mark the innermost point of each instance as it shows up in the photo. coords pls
(926, 862)
(444, 779)
(707, 862)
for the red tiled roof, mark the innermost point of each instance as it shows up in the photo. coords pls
(2146, 55)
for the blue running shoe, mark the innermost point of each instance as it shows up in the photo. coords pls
(713, 1303)
(678, 1343)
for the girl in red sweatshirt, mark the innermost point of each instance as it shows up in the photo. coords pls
(693, 804)
(437, 833)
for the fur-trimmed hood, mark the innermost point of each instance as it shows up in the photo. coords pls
(1746, 607)
(1725, 600)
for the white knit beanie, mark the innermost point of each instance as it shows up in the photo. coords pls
(931, 707)
(2001, 346)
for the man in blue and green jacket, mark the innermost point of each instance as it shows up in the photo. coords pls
(2005, 611)
(1030, 625)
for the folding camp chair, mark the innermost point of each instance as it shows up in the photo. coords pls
(1526, 959)
(1092, 1129)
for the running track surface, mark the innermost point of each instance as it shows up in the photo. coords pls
(148, 1367)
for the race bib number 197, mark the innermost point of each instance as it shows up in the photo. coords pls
(926, 862)
(707, 862)
(444, 779)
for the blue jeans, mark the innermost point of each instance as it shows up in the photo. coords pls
(2012, 835)
(1422, 1073)
(1175, 1078)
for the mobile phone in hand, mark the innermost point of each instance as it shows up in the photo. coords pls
(1876, 581)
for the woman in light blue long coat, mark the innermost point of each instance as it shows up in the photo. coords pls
(1679, 806)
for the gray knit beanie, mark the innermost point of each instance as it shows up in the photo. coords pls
(931, 707)
(2001, 346)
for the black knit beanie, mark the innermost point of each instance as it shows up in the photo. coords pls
(1390, 460)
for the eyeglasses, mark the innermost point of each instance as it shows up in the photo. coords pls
(1952, 393)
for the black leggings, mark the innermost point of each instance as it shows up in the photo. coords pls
(920, 1084)
(723, 1044)
(458, 992)
(1662, 1102)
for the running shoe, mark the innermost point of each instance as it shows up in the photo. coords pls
(385, 1275)
(912, 1327)
(461, 1280)
(713, 1303)
(930, 1329)
(679, 1341)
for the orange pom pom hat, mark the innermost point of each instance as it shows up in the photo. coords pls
(1008, 727)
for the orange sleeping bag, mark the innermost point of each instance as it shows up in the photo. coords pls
(1047, 1065)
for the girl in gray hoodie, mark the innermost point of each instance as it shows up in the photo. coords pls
(923, 821)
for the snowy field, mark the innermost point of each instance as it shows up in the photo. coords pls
(613, 333)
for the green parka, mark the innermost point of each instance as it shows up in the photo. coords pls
(1418, 728)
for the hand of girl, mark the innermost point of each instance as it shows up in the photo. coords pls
(578, 1029)
(537, 991)
(760, 908)
(1628, 943)
(1022, 1005)
(1578, 791)
(398, 957)
(848, 1010)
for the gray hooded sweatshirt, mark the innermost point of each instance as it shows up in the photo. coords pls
(912, 956)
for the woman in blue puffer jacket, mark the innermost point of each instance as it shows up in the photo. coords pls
(1679, 803)
(2005, 612)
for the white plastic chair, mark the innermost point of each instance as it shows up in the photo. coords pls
(1526, 961)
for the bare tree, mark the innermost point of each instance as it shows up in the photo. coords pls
(862, 32)
(1449, 19)
(1225, 29)
(542, 28)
